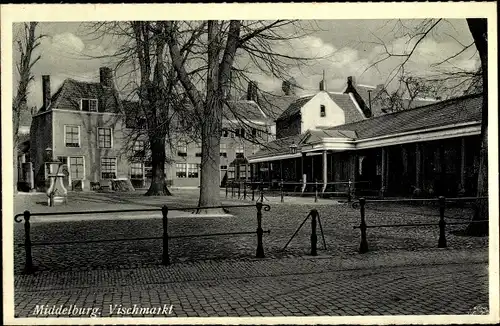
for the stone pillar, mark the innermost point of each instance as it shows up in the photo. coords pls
(418, 170)
(461, 187)
(325, 169)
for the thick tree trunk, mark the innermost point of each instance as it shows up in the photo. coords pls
(158, 185)
(478, 28)
(210, 160)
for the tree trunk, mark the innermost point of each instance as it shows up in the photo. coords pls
(210, 160)
(158, 185)
(479, 31)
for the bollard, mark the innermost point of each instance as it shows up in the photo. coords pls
(165, 256)
(363, 247)
(281, 191)
(316, 191)
(253, 191)
(28, 267)
(314, 237)
(442, 224)
(245, 190)
(232, 189)
(239, 189)
(226, 189)
(260, 232)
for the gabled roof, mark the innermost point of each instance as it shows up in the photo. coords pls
(243, 110)
(71, 91)
(453, 111)
(278, 146)
(344, 101)
(274, 105)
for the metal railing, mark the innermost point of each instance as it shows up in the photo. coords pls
(314, 238)
(28, 244)
(363, 247)
(244, 189)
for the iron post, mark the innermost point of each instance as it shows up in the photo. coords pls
(363, 247)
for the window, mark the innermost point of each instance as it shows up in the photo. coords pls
(77, 168)
(225, 133)
(198, 150)
(72, 136)
(139, 148)
(192, 170)
(223, 150)
(136, 170)
(255, 148)
(243, 173)
(108, 168)
(182, 149)
(237, 132)
(180, 170)
(223, 167)
(322, 110)
(240, 151)
(88, 105)
(256, 132)
(104, 137)
(242, 133)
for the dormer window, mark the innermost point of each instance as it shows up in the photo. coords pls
(322, 110)
(89, 105)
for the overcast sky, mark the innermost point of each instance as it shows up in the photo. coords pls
(348, 44)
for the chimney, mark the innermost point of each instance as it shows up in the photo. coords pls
(322, 83)
(350, 82)
(252, 91)
(106, 77)
(286, 87)
(46, 91)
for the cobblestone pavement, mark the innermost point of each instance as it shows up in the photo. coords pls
(283, 220)
(398, 283)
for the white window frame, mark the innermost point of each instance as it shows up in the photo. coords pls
(183, 170)
(143, 170)
(112, 140)
(116, 167)
(188, 170)
(90, 99)
(79, 136)
(68, 160)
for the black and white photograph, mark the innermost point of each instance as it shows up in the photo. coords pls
(223, 163)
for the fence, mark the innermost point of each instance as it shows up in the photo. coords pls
(253, 189)
(28, 244)
(363, 247)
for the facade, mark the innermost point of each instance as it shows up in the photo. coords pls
(81, 125)
(427, 150)
(90, 130)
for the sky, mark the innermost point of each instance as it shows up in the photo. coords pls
(339, 48)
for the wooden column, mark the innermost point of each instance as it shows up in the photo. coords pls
(325, 169)
(383, 173)
(302, 167)
(418, 170)
(281, 169)
(461, 187)
(353, 171)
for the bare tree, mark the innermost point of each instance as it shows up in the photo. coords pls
(222, 43)
(459, 79)
(411, 89)
(152, 87)
(27, 42)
